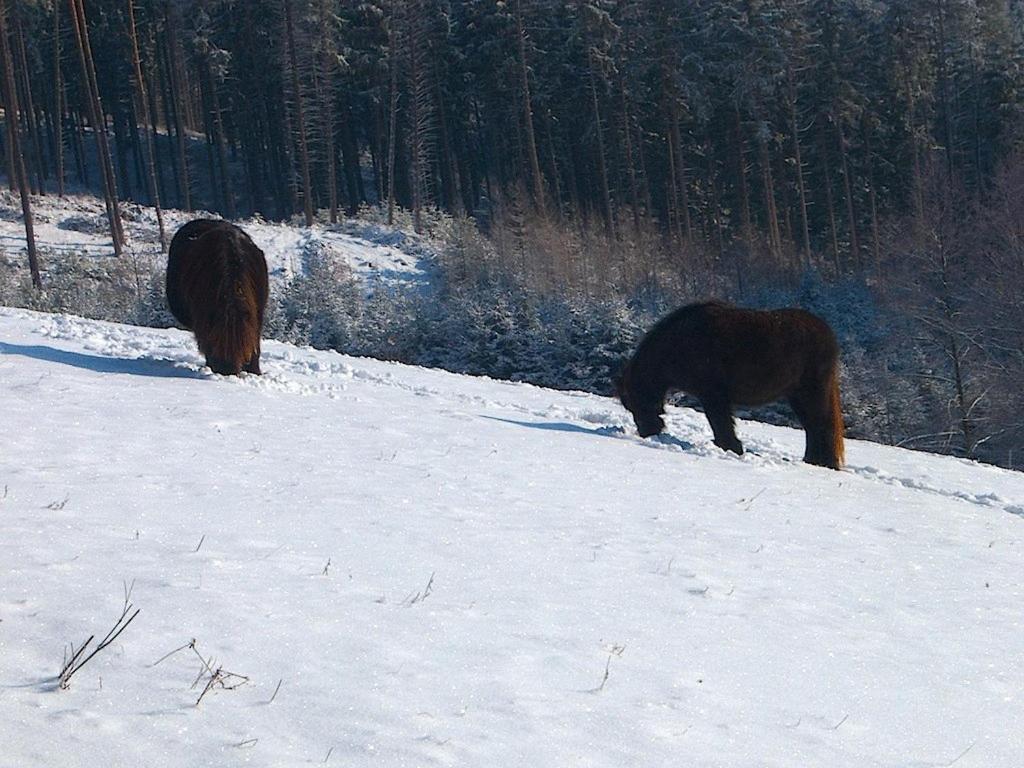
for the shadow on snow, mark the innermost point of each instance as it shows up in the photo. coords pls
(142, 366)
(609, 431)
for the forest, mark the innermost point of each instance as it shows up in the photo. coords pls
(593, 163)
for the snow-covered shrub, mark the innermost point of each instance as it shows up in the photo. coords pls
(321, 307)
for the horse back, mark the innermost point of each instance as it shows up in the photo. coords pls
(768, 355)
(748, 356)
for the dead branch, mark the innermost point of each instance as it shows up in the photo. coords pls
(73, 664)
(418, 597)
(615, 650)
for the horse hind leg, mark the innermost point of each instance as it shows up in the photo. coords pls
(719, 413)
(812, 408)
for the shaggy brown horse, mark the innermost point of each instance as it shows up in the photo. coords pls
(726, 356)
(217, 287)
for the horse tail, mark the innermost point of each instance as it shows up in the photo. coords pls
(836, 415)
(235, 336)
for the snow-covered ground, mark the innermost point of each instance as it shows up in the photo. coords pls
(77, 226)
(418, 568)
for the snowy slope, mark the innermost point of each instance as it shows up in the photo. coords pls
(77, 226)
(748, 611)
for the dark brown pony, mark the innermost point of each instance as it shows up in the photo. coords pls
(217, 287)
(727, 356)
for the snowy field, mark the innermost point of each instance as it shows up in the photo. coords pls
(403, 567)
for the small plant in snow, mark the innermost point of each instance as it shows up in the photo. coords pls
(74, 660)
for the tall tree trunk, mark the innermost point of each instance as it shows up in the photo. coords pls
(58, 107)
(556, 178)
(140, 88)
(536, 179)
(741, 174)
(680, 170)
(307, 187)
(227, 193)
(350, 158)
(28, 111)
(844, 168)
(98, 121)
(768, 185)
(78, 145)
(419, 120)
(918, 181)
(393, 110)
(943, 77)
(674, 218)
(154, 113)
(11, 124)
(794, 130)
(627, 135)
(177, 102)
(327, 111)
(449, 169)
(602, 166)
(121, 147)
(11, 116)
(872, 197)
(830, 204)
(716, 205)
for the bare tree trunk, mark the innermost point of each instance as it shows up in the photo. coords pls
(963, 410)
(222, 161)
(943, 77)
(830, 202)
(794, 129)
(177, 106)
(11, 104)
(918, 182)
(556, 178)
(872, 197)
(58, 111)
(449, 169)
(673, 191)
(768, 184)
(741, 173)
(420, 123)
(680, 170)
(627, 134)
(393, 109)
(78, 145)
(531, 140)
(153, 74)
(307, 187)
(844, 167)
(140, 86)
(716, 205)
(98, 121)
(11, 122)
(606, 198)
(327, 111)
(28, 112)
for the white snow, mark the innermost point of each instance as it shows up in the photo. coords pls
(77, 226)
(749, 611)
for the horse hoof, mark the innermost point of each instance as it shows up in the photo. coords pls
(736, 447)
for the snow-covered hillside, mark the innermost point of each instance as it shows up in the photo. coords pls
(76, 226)
(416, 568)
